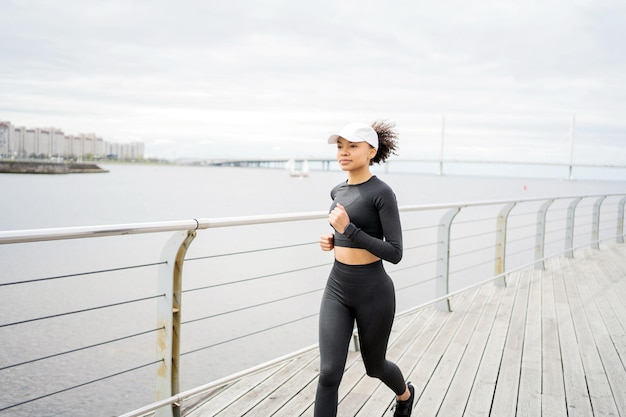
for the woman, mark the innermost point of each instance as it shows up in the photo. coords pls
(364, 214)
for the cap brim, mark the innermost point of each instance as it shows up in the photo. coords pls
(335, 139)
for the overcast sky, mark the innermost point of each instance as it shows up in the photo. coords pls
(275, 78)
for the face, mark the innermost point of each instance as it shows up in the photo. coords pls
(354, 155)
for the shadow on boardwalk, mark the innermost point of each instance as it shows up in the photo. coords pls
(550, 343)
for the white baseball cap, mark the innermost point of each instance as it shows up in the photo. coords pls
(356, 132)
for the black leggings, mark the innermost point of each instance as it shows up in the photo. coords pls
(364, 293)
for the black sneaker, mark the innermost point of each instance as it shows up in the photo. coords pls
(404, 408)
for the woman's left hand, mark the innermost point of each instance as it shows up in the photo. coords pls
(339, 219)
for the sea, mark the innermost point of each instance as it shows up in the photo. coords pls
(142, 193)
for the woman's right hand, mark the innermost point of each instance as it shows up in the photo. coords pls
(327, 242)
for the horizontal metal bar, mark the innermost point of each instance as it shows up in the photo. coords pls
(63, 233)
(82, 232)
(428, 207)
(262, 219)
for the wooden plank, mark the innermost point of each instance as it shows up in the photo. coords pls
(578, 402)
(529, 397)
(439, 385)
(290, 391)
(190, 405)
(607, 352)
(597, 381)
(507, 387)
(553, 389)
(300, 406)
(434, 365)
(611, 274)
(456, 399)
(481, 395)
(612, 280)
(231, 393)
(263, 389)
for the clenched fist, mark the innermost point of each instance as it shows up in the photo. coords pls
(327, 242)
(338, 218)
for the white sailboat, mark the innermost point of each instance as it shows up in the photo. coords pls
(294, 171)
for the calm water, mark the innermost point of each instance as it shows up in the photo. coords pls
(137, 194)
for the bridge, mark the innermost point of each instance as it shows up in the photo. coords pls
(437, 166)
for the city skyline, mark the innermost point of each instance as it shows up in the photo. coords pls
(49, 142)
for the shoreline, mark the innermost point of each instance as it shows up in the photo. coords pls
(49, 168)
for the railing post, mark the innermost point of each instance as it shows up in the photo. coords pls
(620, 220)
(501, 227)
(540, 241)
(595, 224)
(569, 229)
(443, 263)
(168, 319)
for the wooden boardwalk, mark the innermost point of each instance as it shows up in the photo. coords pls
(551, 343)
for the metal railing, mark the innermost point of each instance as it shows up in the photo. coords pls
(449, 248)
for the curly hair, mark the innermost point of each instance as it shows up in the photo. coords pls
(387, 141)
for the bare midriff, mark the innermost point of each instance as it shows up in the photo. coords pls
(354, 256)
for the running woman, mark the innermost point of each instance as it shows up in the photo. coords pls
(366, 222)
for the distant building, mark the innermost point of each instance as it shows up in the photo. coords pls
(21, 142)
(4, 138)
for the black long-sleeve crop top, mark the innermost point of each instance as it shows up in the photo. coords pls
(374, 218)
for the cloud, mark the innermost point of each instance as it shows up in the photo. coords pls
(283, 74)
